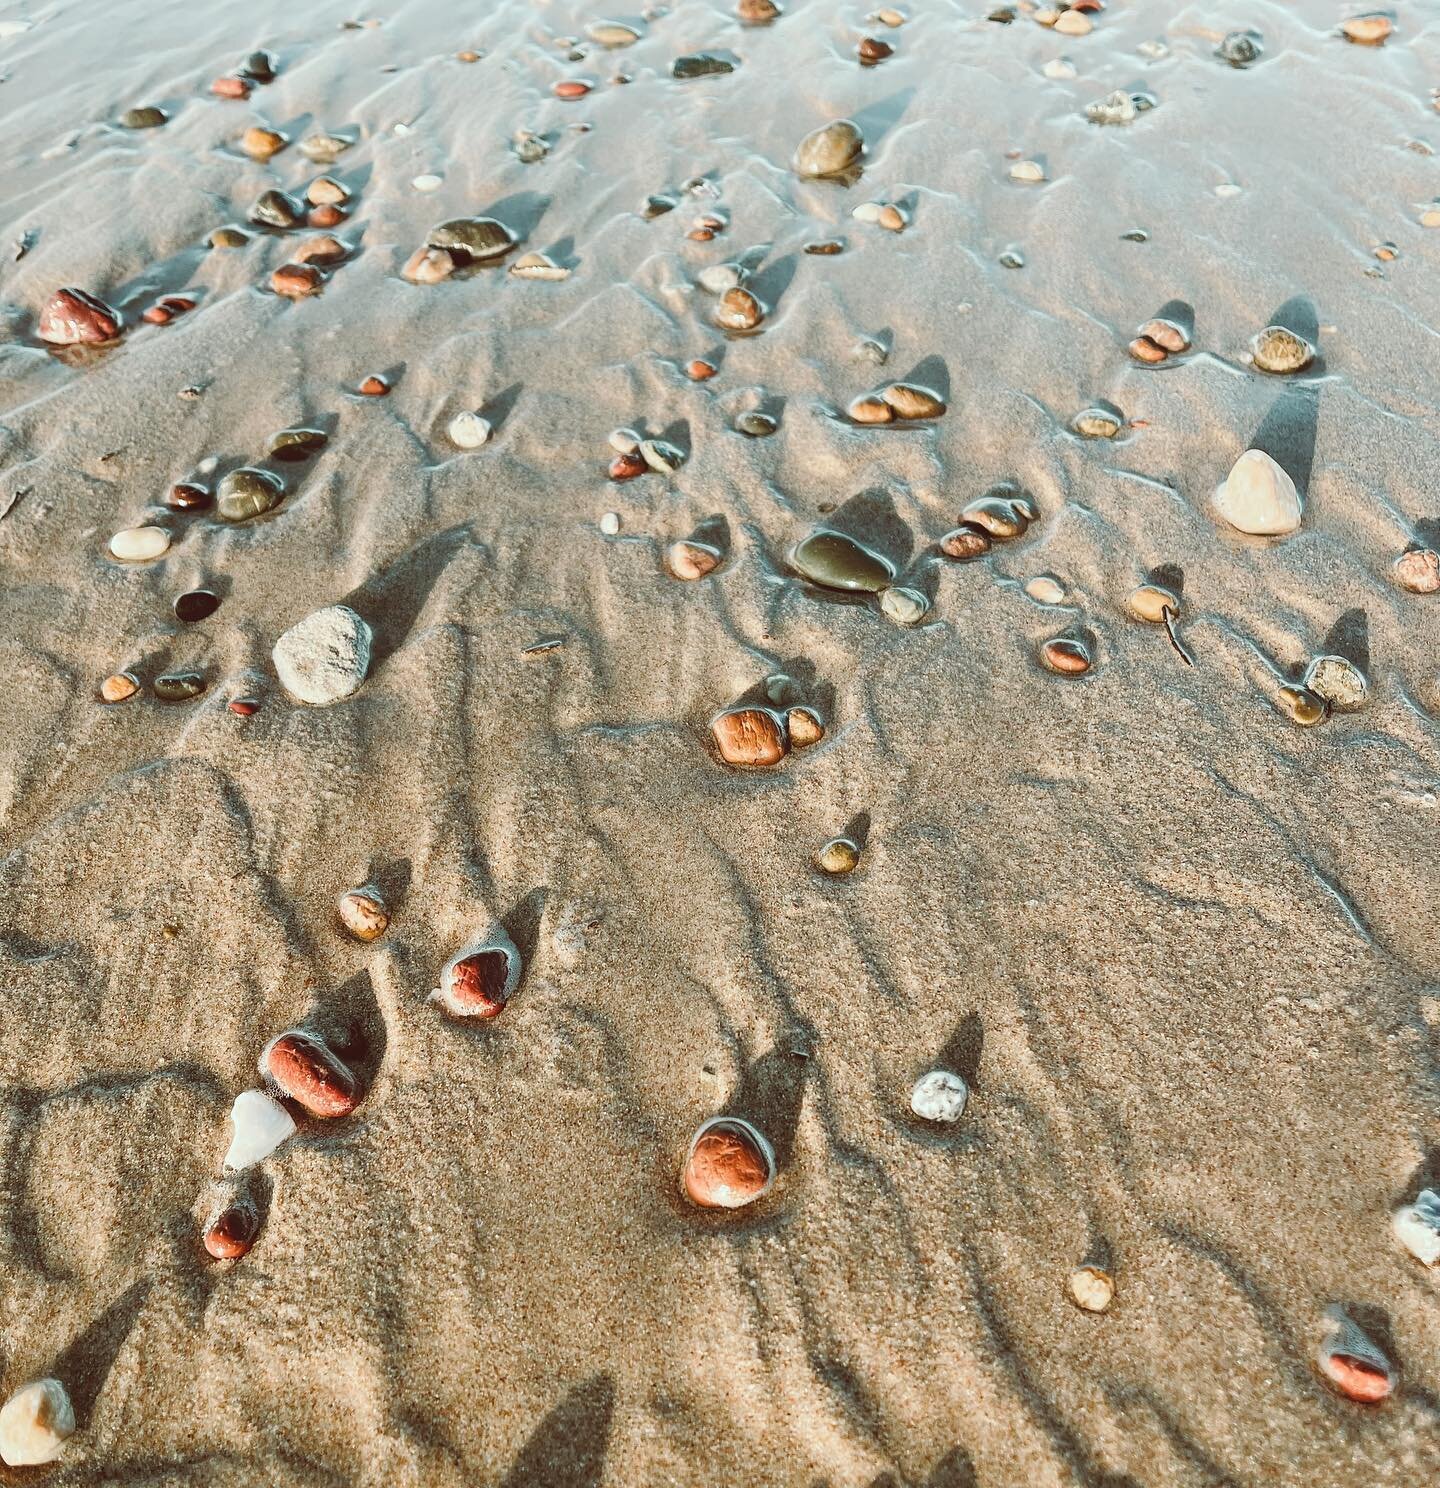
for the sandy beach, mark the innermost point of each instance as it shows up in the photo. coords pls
(1058, 800)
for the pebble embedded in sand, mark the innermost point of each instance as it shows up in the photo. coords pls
(572, 88)
(871, 50)
(627, 467)
(903, 605)
(188, 496)
(1280, 351)
(1073, 23)
(427, 181)
(324, 149)
(1340, 682)
(1367, 30)
(307, 1070)
(143, 118)
(1240, 48)
(749, 737)
(739, 310)
(1091, 1288)
(374, 386)
(837, 561)
(178, 687)
(479, 983)
(1029, 171)
(803, 727)
(363, 913)
(468, 431)
(700, 64)
(259, 1124)
(538, 266)
(838, 856)
(729, 1164)
(119, 686)
(1301, 706)
(1095, 423)
(1115, 108)
(228, 237)
(829, 150)
(689, 559)
(231, 1232)
(232, 87)
(1417, 1227)
(871, 409)
(325, 657)
(612, 34)
(1150, 601)
(757, 12)
(965, 543)
(428, 266)
(700, 370)
(1167, 335)
(196, 605)
(1065, 655)
(912, 402)
(35, 1423)
(297, 281)
(275, 209)
(72, 317)
(660, 456)
(246, 493)
(139, 544)
(466, 238)
(260, 65)
(323, 249)
(1143, 349)
(610, 524)
(997, 516)
(325, 191)
(755, 424)
(1418, 571)
(939, 1095)
(717, 279)
(261, 143)
(1353, 1364)
(1060, 70)
(1259, 497)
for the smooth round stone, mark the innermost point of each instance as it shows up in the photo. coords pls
(1367, 30)
(1259, 497)
(1240, 48)
(1418, 571)
(1029, 171)
(538, 266)
(293, 445)
(839, 562)
(1060, 70)
(275, 209)
(188, 496)
(804, 727)
(1045, 589)
(178, 687)
(663, 458)
(143, 118)
(624, 441)
(306, 1070)
(1340, 682)
(326, 191)
(1166, 335)
(196, 605)
(325, 657)
(258, 1125)
(1095, 423)
(1150, 601)
(756, 424)
(231, 1233)
(1354, 1365)
(691, 559)
(1301, 706)
(481, 980)
(749, 737)
(829, 150)
(612, 34)
(428, 182)
(730, 1164)
(228, 237)
(839, 855)
(870, 408)
(1280, 351)
(700, 64)
(610, 524)
(472, 237)
(35, 1423)
(1068, 657)
(323, 149)
(940, 1096)
(139, 544)
(1074, 23)
(363, 913)
(966, 543)
(739, 310)
(247, 493)
(867, 212)
(904, 606)
(261, 143)
(119, 686)
(995, 515)
(1091, 1288)
(468, 431)
(912, 402)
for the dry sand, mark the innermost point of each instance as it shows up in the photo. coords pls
(1185, 951)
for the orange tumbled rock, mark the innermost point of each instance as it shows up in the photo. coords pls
(749, 737)
(700, 370)
(231, 87)
(71, 316)
(327, 214)
(572, 88)
(626, 467)
(1143, 349)
(1368, 30)
(1351, 1362)
(324, 249)
(479, 983)
(305, 1068)
(167, 307)
(1069, 657)
(261, 143)
(116, 688)
(296, 280)
(374, 386)
(244, 706)
(730, 1164)
(1166, 335)
(232, 1231)
(428, 266)
(691, 560)
(872, 410)
(965, 542)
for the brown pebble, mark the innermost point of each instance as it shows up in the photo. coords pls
(911, 402)
(187, 496)
(1301, 706)
(260, 143)
(1367, 30)
(322, 250)
(739, 310)
(627, 467)
(893, 218)
(691, 560)
(825, 247)
(700, 370)
(244, 706)
(872, 410)
(804, 727)
(325, 191)
(116, 688)
(328, 215)
(71, 316)
(296, 280)
(1143, 349)
(1069, 657)
(700, 234)
(965, 542)
(231, 87)
(729, 1165)
(232, 1231)
(749, 737)
(304, 1067)
(428, 266)
(872, 50)
(374, 386)
(478, 985)
(467, 56)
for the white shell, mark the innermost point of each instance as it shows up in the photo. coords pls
(260, 1124)
(468, 430)
(1417, 1227)
(939, 1095)
(1259, 497)
(324, 657)
(139, 544)
(35, 1422)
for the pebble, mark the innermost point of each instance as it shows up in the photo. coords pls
(228, 237)
(231, 87)
(572, 88)
(836, 561)
(828, 247)
(657, 206)
(480, 981)
(374, 386)
(323, 249)
(1278, 350)
(1000, 518)
(325, 191)
(325, 657)
(1095, 423)
(663, 458)
(624, 441)
(275, 209)
(829, 150)
(1027, 170)
(1301, 706)
(167, 307)
(530, 148)
(296, 444)
(297, 281)
(1340, 682)
(466, 238)
(1091, 1288)
(244, 707)
(756, 424)
(893, 218)
(757, 12)
(690, 559)
(72, 316)
(1240, 48)
(246, 493)
(903, 605)
(178, 687)
(35, 1423)
(1259, 497)
(196, 605)
(627, 467)
(1012, 258)
(867, 212)
(1150, 601)
(305, 1069)
(739, 310)
(143, 118)
(839, 855)
(1430, 216)
(1350, 1361)
(700, 370)
(325, 216)
(139, 544)
(911, 402)
(261, 65)
(749, 737)
(1116, 108)
(260, 143)
(701, 64)
(231, 1233)
(804, 727)
(729, 1164)
(324, 149)
(468, 431)
(965, 543)
(1065, 655)
(612, 34)
(610, 524)
(538, 266)
(1074, 23)
(1417, 1227)
(1418, 571)
(1045, 589)
(119, 686)
(871, 50)
(939, 1095)
(1168, 336)
(719, 279)
(888, 16)
(428, 182)
(259, 1124)
(1367, 30)
(1143, 349)
(363, 913)
(1060, 69)
(428, 266)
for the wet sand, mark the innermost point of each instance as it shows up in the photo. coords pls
(1182, 951)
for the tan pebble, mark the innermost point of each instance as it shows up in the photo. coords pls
(912, 402)
(1418, 571)
(1091, 1289)
(1002, 519)
(1029, 171)
(624, 441)
(965, 543)
(749, 737)
(1069, 657)
(839, 855)
(297, 280)
(1367, 30)
(261, 143)
(804, 727)
(1300, 705)
(872, 410)
(325, 191)
(467, 56)
(428, 266)
(893, 218)
(363, 913)
(322, 250)
(1150, 601)
(538, 266)
(1166, 335)
(35, 1423)
(739, 310)
(1045, 589)
(139, 544)
(1073, 23)
(119, 686)
(688, 559)
(889, 16)
(1430, 217)
(1143, 349)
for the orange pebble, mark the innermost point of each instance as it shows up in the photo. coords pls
(231, 87)
(572, 88)
(700, 370)
(374, 386)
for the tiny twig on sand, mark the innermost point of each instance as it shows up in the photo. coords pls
(1169, 617)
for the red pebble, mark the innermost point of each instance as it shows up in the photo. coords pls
(325, 215)
(231, 87)
(73, 316)
(296, 281)
(700, 370)
(374, 386)
(233, 1231)
(158, 315)
(627, 467)
(244, 706)
(573, 88)
(700, 235)
(477, 985)
(306, 1069)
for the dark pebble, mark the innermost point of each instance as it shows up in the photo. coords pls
(187, 496)
(178, 687)
(197, 604)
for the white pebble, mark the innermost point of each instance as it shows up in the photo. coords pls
(428, 183)
(260, 1124)
(610, 523)
(904, 606)
(1259, 497)
(1045, 589)
(939, 1095)
(1061, 69)
(1091, 1288)
(35, 1423)
(139, 544)
(717, 279)
(1027, 170)
(325, 657)
(1417, 1227)
(468, 430)
(868, 212)
(1227, 189)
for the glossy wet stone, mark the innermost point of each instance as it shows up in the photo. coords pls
(466, 238)
(188, 496)
(829, 150)
(196, 605)
(1066, 655)
(247, 493)
(756, 424)
(298, 444)
(274, 209)
(139, 544)
(749, 737)
(479, 983)
(739, 310)
(904, 606)
(303, 1067)
(1096, 423)
(143, 118)
(838, 856)
(1150, 601)
(996, 515)
(228, 237)
(233, 1231)
(966, 542)
(701, 64)
(73, 317)
(729, 1164)
(837, 561)
(912, 402)
(1301, 706)
(178, 687)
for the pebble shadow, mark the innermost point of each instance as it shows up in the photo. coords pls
(1287, 434)
(1350, 637)
(567, 1449)
(86, 1364)
(770, 1095)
